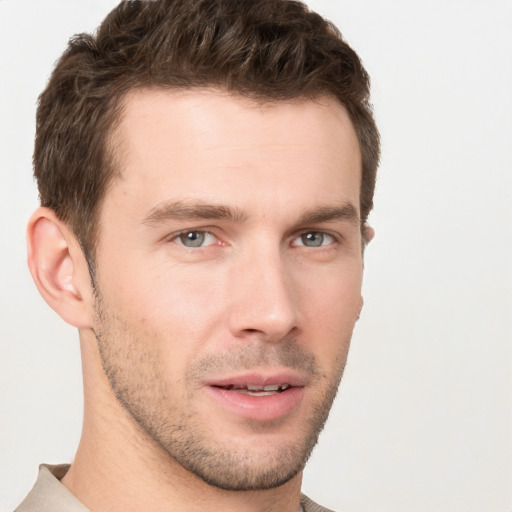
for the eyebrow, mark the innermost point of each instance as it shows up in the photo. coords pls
(345, 212)
(198, 210)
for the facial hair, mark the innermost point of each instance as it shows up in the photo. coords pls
(132, 360)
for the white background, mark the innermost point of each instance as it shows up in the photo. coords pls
(423, 421)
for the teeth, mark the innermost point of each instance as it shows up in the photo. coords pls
(265, 388)
(258, 393)
(259, 390)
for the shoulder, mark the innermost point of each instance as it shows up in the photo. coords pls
(309, 505)
(49, 495)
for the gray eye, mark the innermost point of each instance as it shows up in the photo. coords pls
(192, 238)
(312, 239)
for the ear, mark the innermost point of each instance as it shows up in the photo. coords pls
(361, 304)
(368, 234)
(59, 268)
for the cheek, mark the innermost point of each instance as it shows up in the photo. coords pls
(177, 303)
(331, 307)
(334, 294)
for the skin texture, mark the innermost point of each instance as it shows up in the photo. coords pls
(269, 292)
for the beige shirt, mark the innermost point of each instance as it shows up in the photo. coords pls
(49, 495)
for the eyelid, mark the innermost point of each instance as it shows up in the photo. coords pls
(335, 237)
(176, 236)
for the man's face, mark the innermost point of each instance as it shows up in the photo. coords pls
(228, 279)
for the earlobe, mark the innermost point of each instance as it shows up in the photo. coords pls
(58, 267)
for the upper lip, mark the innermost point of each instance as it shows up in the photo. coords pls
(260, 378)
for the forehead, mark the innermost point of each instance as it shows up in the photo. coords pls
(206, 142)
(199, 109)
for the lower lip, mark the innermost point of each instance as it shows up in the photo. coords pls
(258, 408)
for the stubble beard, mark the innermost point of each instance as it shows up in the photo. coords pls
(136, 379)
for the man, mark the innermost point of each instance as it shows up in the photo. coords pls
(205, 170)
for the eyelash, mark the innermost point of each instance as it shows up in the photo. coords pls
(323, 234)
(177, 238)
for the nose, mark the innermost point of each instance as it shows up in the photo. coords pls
(263, 298)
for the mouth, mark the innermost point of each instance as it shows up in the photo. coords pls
(258, 396)
(273, 389)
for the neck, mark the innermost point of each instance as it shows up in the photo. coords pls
(118, 467)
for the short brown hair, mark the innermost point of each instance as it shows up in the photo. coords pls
(264, 49)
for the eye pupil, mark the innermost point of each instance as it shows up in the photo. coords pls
(192, 239)
(313, 239)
